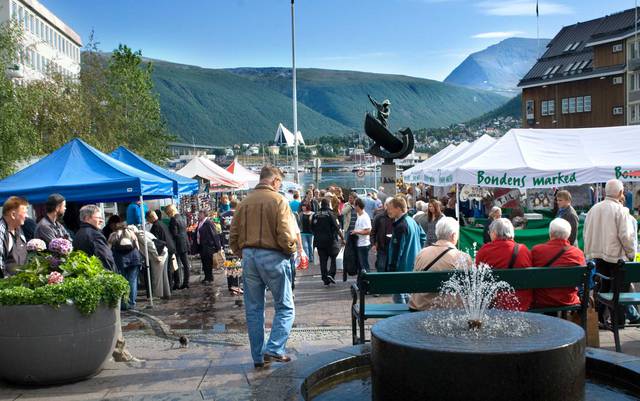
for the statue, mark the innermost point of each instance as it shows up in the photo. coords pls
(383, 109)
(386, 145)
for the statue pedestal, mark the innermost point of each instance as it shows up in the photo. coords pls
(389, 176)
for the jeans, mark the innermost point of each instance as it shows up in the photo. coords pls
(131, 274)
(307, 245)
(381, 261)
(262, 268)
(363, 258)
(324, 254)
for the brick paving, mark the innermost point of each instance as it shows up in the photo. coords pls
(216, 364)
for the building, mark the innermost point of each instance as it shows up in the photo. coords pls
(589, 76)
(49, 45)
(285, 137)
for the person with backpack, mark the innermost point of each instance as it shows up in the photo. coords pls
(327, 238)
(126, 253)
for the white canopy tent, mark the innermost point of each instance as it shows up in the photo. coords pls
(216, 175)
(412, 174)
(548, 158)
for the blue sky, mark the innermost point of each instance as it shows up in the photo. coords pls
(422, 38)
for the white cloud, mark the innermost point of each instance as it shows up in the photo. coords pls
(523, 7)
(496, 35)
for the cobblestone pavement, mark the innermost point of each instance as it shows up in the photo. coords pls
(216, 364)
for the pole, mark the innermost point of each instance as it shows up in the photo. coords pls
(296, 175)
(146, 253)
(458, 202)
(538, 28)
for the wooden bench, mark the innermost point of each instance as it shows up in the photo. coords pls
(370, 283)
(625, 274)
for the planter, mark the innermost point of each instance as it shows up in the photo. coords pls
(46, 345)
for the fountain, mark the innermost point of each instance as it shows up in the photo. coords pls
(467, 353)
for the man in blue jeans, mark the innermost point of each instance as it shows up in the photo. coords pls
(261, 233)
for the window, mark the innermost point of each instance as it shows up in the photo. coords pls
(556, 68)
(548, 70)
(572, 105)
(543, 108)
(634, 112)
(634, 50)
(551, 104)
(617, 80)
(577, 64)
(618, 111)
(19, 13)
(14, 10)
(565, 106)
(569, 46)
(634, 81)
(569, 67)
(617, 48)
(587, 103)
(575, 45)
(579, 104)
(32, 23)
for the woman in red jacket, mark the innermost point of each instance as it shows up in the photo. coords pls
(557, 252)
(504, 253)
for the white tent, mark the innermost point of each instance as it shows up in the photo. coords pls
(285, 137)
(441, 173)
(412, 174)
(547, 158)
(208, 170)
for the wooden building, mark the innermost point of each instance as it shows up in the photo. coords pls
(589, 76)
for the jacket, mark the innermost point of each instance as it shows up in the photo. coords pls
(486, 237)
(449, 261)
(47, 230)
(381, 227)
(497, 254)
(91, 241)
(262, 221)
(208, 237)
(346, 218)
(178, 230)
(570, 215)
(407, 240)
(161, 232)
(429, 227)
(606, 233)
(325, 227)
(541, 255)
(10, 259)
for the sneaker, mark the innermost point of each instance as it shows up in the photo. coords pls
(331, 280)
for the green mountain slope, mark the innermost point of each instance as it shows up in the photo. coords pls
(342, 96)
(219, 108)
(513, 108)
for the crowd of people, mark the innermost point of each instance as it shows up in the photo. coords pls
(273, 235)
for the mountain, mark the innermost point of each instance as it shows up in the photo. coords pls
(500, 67)
(223, 107)
(513, 108)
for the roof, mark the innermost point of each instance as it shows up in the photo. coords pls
(216, 175)
(80, 172)
(285, 137)
(181, 184)
(54, 20)
(569, 55)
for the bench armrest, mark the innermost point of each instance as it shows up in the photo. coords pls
(354, 293)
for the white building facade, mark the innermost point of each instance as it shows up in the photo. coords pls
(49, 45)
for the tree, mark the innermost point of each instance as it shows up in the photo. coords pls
(16, 131)
(134, 106)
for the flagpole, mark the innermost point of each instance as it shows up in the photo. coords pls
(538, 27)
(296, 176)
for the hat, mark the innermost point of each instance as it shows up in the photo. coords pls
(386, 101)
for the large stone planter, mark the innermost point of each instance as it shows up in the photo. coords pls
(46, 345)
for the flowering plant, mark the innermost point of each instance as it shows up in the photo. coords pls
(61, 246)
(233, 268)
(58, 275)
(36, 245)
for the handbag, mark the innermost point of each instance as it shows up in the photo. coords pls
(218, 259)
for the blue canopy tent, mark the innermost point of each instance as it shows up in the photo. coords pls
(181, 184)
(79, 172)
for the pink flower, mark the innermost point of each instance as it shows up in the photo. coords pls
(55, 278)
(61, 246)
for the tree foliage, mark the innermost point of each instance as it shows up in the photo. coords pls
(112, 104)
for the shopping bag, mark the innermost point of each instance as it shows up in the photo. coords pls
(218, 259)
(339, 260)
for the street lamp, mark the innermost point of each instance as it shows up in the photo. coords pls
(295, 95)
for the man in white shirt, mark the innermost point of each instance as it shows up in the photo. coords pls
(362, 229)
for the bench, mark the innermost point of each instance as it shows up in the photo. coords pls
(625, 274)
(370, 283)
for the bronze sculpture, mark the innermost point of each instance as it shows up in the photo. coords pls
(386, 144)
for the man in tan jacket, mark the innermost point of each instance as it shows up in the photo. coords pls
(440, 256)
(262, 234)
(608, 236)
